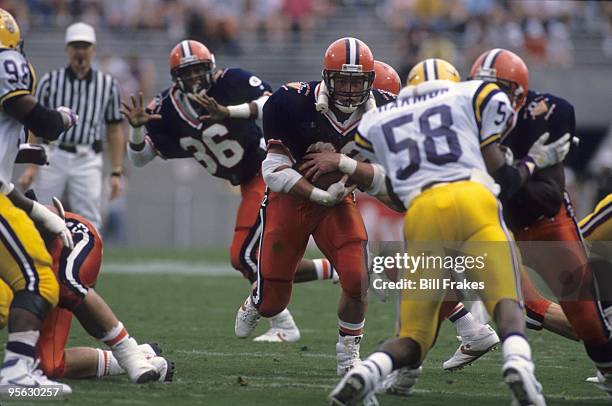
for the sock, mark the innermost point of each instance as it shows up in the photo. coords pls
(22, 344)
(115, 336)
(516, 345)
(350, 329)
(380, 364)
(107, 364)
(464, 321)
(324, 268)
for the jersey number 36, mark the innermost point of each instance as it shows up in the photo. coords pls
(213, 150)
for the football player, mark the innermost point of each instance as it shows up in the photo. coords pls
(77, 272)
(597, 225)
(210, 114)
(299, 118)
(25, 264)
(433, 184)
(540, 210)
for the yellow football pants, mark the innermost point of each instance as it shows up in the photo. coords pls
(468, 215)
(24, 260)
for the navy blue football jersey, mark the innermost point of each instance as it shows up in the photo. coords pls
(542, 112)
(289, 116)
(230, 149)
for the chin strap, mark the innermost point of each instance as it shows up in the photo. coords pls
(322, 103)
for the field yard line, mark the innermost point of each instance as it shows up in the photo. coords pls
(170, 267)
(255, 354)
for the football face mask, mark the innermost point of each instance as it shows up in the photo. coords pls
(348, 90)
(196, 78)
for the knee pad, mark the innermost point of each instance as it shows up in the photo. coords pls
(31, 302)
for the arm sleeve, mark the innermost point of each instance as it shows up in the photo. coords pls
(112, 113)
(493, 113)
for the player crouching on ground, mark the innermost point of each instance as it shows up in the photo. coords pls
(77, 271)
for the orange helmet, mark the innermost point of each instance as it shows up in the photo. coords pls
(348, 73)
(505, 68)
(386, 78)
(192, 66)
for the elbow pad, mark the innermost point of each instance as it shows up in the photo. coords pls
(279, 181)
(378, 186)
(44, 123)
(142, 157)
(509, 180)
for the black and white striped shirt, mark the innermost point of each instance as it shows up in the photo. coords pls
(95, 98)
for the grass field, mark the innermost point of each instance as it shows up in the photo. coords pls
(192, 318)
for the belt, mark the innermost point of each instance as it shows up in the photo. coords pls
(96, 146)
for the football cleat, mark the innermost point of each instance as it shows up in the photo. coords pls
(134, 362)
(246, 319)
(164, 367)
(347, 353)
(23, 372)
(400, 382)
(150, 350)
(282, 330)
(353, 388)
(603, 382)
(473, 346)
(526, 390)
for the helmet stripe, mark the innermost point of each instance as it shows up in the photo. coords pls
(489, 61)
(186, 49)
(425, 70)
(347, 48)
(356, 52)
(430, 73)
(435, 67)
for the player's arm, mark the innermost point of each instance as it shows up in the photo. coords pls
(494, 115)
(43, 122)
(139, 149)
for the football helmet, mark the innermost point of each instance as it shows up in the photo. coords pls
(386, 78)
(10, 35)
(348, 73)
(505, 68)
(433, 69)
(192, 66)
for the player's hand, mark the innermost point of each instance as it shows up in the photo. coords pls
(52, 223)
(319, 163)
(508, 154)
(551, 154)
(27, 177)
(136, 115)
(215, 111)
(334, 194)
(116, 187)
(69, 117)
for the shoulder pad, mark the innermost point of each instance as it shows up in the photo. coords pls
(303, 88)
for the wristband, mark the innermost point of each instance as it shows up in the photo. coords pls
(240, 111)
(347, 165)
(136, 135)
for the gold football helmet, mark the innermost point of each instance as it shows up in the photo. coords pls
(433, 69)
(10, 36)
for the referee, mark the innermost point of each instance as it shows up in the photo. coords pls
(75, 159)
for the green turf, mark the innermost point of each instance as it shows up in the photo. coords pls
(192, 318)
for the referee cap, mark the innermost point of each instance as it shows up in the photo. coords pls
(80, 32)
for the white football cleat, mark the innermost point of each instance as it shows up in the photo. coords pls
(347, 353)
(526, 390)
(603, 382)
(150, 350)
(165, 368)
(246, 319)
(353, 388)
(134, 362)
(282, 330)
(23, 372)
(473, 346)
(400, 382)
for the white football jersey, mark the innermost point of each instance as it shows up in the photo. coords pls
(434, 132)
(16, 78)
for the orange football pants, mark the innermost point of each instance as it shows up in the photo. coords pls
(288, 222)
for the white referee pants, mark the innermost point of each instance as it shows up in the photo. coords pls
(77, 177)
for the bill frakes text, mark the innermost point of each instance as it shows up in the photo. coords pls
(427, 284)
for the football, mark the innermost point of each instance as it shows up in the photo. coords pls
(325, 180)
